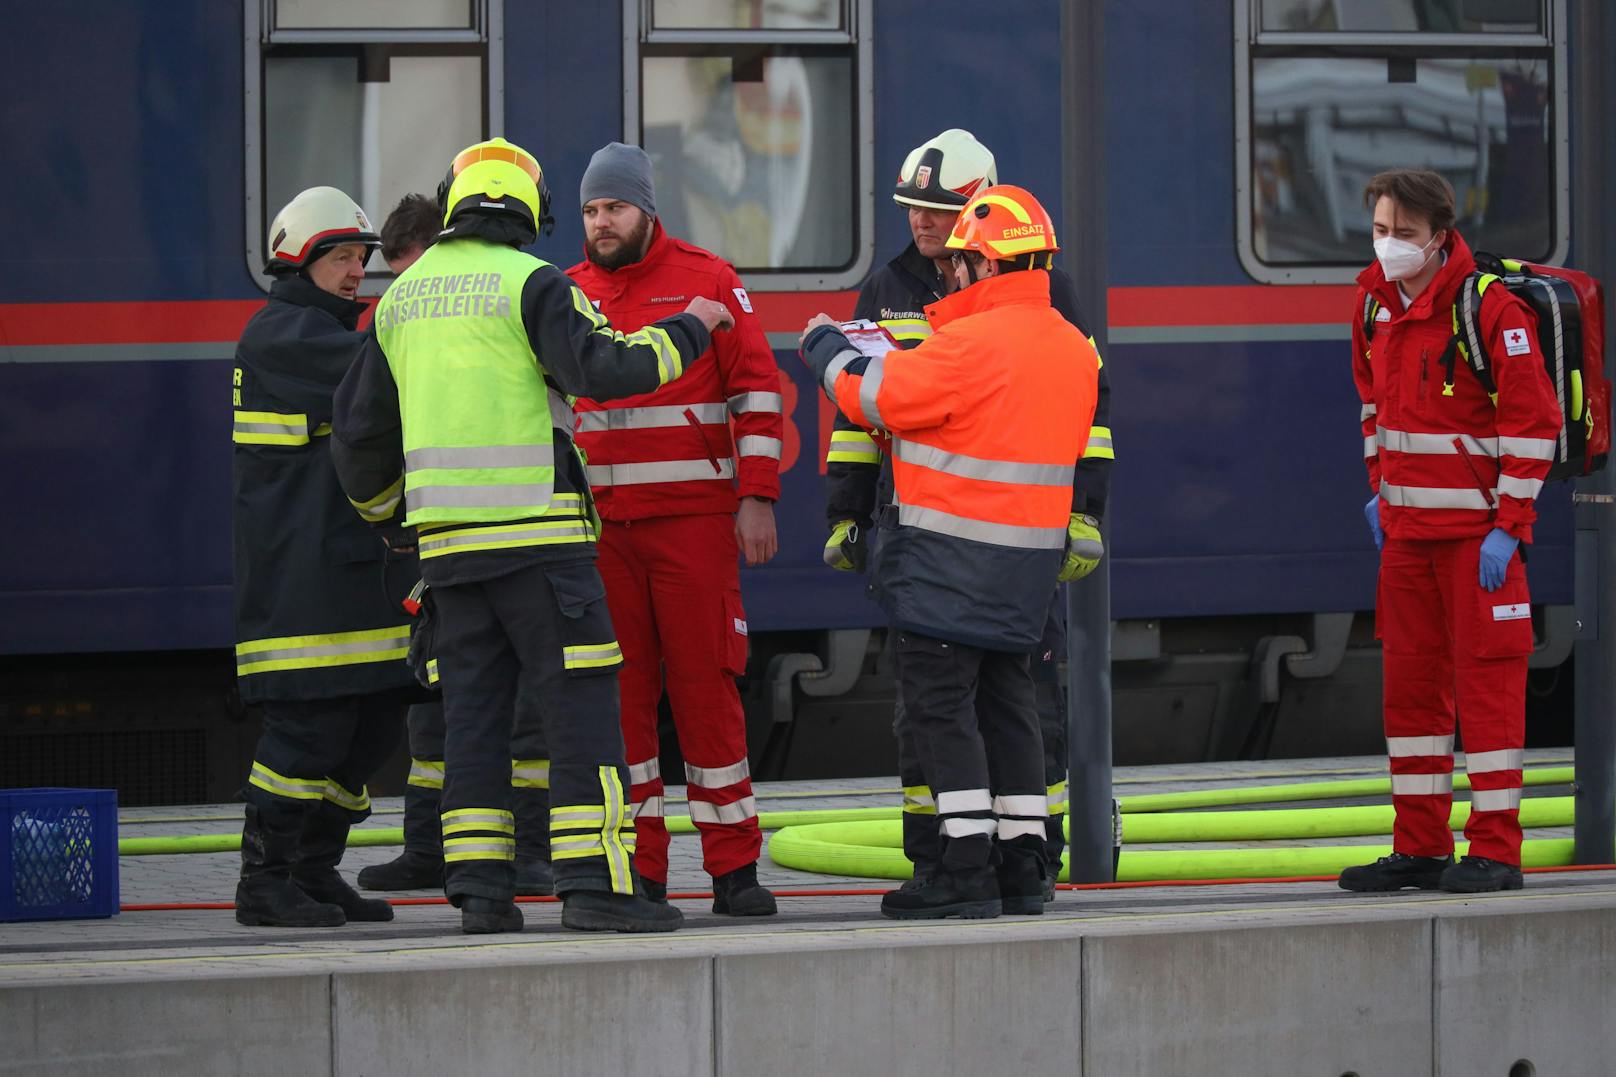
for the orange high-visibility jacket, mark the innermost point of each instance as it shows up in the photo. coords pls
(988, 417)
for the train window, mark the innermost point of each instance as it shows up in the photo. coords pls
(373, 14)
(729, 15)
(1405, 16)
(757, 117)
(374, 103)
(1328, 94)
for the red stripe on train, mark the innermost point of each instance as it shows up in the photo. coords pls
(195, 321)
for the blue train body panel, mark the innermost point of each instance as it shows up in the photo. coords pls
(1238, 486)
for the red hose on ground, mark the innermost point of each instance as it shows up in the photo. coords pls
(704, 895)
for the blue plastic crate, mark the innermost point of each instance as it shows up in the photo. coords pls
(58, 854)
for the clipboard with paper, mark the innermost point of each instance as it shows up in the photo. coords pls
(869, 337)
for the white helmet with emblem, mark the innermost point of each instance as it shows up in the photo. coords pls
(311, 224)
(944, 172)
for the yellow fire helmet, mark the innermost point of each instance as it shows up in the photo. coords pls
(945, 172)
(496, 177)
(311, 224)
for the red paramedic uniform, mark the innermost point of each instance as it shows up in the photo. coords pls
(1450, 465)
(667, 469)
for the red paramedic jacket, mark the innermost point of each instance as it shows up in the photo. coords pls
(1452, 466)
(698, 443)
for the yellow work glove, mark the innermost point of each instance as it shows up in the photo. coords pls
(845, 550)
(1083, 547)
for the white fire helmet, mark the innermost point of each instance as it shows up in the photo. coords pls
(944, 172)
(311, 224)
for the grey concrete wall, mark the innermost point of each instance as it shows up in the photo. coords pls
(599, 1017)
(217, 1027)
(1539, 988)
(1435, 988)
(1300, 998)
(984, 1008)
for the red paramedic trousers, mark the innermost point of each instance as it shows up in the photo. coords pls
(673, 585)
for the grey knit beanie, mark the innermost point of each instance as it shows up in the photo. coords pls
(621, 172)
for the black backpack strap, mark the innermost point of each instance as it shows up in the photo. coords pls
(1468, 338)
(1371, 308)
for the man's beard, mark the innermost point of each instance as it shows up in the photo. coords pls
(629, 249)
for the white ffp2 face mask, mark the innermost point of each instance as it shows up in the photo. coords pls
(1400, 259)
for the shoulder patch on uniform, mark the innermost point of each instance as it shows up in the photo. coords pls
(740, 626)
(1383, 315)
(743, 299)
(1516, 342)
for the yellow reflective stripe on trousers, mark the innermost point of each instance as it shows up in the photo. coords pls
(383, 505)
(1099, 446)
(592, 655)
(426, 773)
(270, 428)
(495, 820)
(432, 671)
(342, 798)
(313, 652)
(917, 800)
(1058, 798)
(852, 447)
(282, 786)
(530, 773)
(478, 848)
(619, 855)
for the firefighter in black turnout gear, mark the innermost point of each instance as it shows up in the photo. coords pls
(320, 632)
(937, 179)
(455, 419)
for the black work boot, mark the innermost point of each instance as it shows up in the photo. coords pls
(1054, 846)
(420, 865)
(266, 895)
(1396, 872)
(1021, 874)
(1478, 875)
(534, 877)
(651, 890)
(603, 910)
(488, 916)
(738, 893)
(325, 838)
(971, 894)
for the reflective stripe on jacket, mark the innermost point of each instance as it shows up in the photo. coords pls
(694, 445)
(988, 417)
(1447, 461)
(896, 296)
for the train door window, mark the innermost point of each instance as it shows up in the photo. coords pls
(371, 96)
(1330, 92)
(757, 115)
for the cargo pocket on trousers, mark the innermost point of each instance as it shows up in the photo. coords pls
(732, 630)
(1503, 618)
(588, 642)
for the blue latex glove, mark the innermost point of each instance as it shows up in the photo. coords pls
(1496, 550)
(1371, 513)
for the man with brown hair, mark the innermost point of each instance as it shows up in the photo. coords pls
(409, 230)
(1455, 473)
